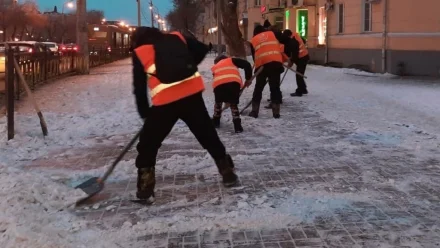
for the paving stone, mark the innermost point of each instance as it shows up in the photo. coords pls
(315, 155)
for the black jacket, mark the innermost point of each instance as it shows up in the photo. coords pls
(196, 48)
(245, 65)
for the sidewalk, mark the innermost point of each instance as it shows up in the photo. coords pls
(321, 176)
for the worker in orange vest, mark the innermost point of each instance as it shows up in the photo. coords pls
(227, 83)
(266, 52)
(300, 56)
(167, 65)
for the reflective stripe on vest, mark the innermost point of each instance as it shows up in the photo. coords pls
(267, 48)
(302, 47)
(162, 94)
(225, 72)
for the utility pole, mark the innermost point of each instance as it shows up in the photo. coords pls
(82, 37)
(219, 30)
(151, 13)
(139, 12)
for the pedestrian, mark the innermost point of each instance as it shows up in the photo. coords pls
(167, 64)
(299, 55)
(227, 83)
(266, 52)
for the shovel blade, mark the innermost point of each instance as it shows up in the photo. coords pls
(91, 187)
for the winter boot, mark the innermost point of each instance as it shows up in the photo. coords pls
(305, 92)
(145, 184)
(217, 114)
(226, 169)
(276, 110)
(255, 109)
(237, 125)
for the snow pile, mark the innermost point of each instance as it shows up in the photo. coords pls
(33, 213)
(246, 212)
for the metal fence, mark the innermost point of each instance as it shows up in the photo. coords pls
(39, 68)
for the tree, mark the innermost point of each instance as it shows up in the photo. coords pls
(230, 29)
(184, 15)
(94, 16)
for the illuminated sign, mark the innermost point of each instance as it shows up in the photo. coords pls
(302, 22)
(96, 29)
(263, 9)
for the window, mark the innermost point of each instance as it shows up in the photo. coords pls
(257, 2)
(366, 14)
(340, 18)
(279, 21)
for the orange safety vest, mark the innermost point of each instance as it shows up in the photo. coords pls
(162, 94)
(226, 72)
(285, 57)
(267, 49)
(302, 47)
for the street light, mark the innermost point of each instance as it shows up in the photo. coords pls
(69, 4)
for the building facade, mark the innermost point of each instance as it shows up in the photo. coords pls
(377, 35)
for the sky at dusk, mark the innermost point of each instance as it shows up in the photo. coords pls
(114, 10)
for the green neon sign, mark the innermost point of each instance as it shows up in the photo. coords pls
(287, 14)
(302, 22)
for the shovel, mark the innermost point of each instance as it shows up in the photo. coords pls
(96, 184)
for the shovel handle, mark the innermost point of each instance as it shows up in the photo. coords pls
(119, 158)
(297, 73)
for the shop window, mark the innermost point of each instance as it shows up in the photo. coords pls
(322, 26)
(257, 2)
(302, 22)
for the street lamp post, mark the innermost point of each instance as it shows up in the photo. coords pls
(151, 13)
(82, 37)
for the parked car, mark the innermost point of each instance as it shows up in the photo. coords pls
(25, 46)
(69, 47)
(52, 46)
(22, 47)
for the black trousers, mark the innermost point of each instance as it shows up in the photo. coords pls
(301, 66)
(228, 93)
(272, 73)
(160, 121)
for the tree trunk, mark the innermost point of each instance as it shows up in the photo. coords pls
(230, 28)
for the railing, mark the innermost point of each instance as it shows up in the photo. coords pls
(39, 68)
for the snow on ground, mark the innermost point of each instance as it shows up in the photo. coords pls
(78, 109)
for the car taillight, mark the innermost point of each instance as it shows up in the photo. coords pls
(75, 48)
(109, 49)
(63, 48)
(30, 50)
